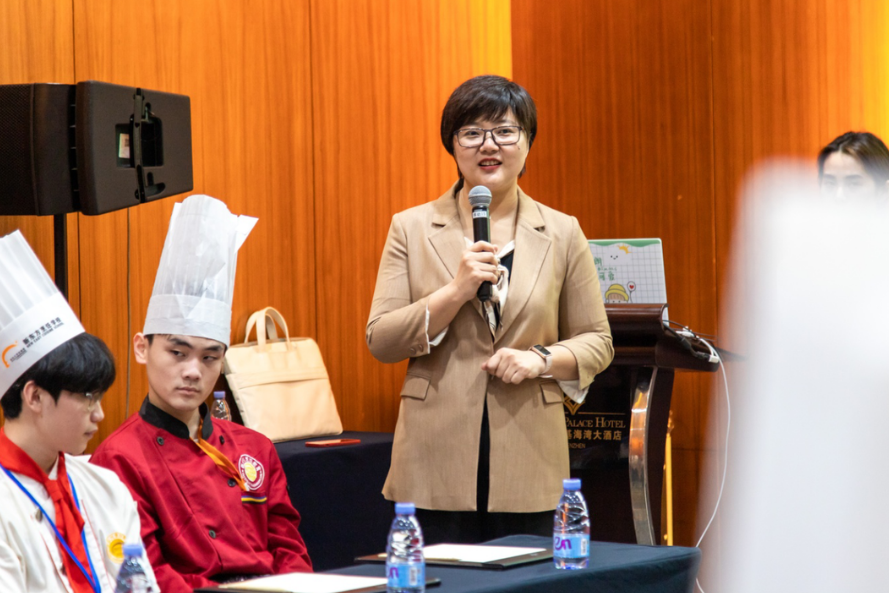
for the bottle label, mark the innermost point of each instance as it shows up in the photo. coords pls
(402, 576)
(573, 545)
(137, 583)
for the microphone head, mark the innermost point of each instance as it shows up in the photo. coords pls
(479, 196)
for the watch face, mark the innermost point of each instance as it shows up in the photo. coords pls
(543, 350)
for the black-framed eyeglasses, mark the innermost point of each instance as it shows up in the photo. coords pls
(92, 399)
(475, 137)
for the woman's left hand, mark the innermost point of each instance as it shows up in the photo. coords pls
(514, 366)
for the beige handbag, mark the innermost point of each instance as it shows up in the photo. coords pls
(281, 386)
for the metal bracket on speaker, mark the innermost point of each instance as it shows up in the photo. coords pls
(136, 135)
(142, 117)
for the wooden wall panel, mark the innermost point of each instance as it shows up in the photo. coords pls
(382, 72)
(625, 145)
(789, 77)
(38, 46)
(38, 41)
(247, 71)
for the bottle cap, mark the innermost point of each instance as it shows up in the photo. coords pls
(132, 549)
(571, 484)
(219, 395)
(405, 508)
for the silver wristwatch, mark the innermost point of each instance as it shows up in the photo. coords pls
(546, 355)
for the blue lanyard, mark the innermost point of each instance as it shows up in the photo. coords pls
(93, 581)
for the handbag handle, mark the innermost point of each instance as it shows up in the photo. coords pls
(271, 316)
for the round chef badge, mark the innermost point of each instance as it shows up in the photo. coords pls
(252, 472)
(115, 543)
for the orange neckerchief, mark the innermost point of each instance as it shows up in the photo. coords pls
(224, 463)
(68, 519)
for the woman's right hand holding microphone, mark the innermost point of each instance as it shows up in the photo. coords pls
(478, 264)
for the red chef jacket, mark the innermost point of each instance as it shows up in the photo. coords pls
(197, 524)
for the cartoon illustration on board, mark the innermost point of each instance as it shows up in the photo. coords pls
(630, 270)
(616, 293)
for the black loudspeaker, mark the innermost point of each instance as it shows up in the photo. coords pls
(133, 146)
(36, 149)
(92, 148)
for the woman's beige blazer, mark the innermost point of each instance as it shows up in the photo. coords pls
(554, 297)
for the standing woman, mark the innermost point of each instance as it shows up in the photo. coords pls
(480, 444)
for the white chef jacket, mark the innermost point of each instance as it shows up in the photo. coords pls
(30, 557)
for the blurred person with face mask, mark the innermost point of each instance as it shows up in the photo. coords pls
(854, 167)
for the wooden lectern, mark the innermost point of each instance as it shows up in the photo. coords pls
(617, 436)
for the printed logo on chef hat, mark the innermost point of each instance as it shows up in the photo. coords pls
(34, 316)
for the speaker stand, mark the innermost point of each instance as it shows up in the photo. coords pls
(60, 247)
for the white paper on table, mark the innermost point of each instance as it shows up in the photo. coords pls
(467, 553)
(307, 582)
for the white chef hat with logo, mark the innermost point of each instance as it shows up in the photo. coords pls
(34, 316)
(195, 280)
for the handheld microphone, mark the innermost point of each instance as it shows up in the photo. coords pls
(480, 200)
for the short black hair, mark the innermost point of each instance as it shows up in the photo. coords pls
(867, 148)
(487, 97)
(80, 365)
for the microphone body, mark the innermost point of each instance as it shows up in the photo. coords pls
(480, 200)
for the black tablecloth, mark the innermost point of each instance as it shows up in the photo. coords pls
(337, 491)
(613, 568)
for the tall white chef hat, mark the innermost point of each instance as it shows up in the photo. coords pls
(34, 316)
(195, 280)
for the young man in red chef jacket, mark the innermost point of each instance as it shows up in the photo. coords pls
(212, 494)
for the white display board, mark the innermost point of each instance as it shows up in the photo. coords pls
(630, 270)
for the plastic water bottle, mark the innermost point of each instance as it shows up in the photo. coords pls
(405, 566)
(220, 408)
(571, 528)
(131, 578)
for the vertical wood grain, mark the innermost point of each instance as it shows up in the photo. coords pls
(625, 145)
(38, 47)
(382, 72)
(246, 69)
(789, 90)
